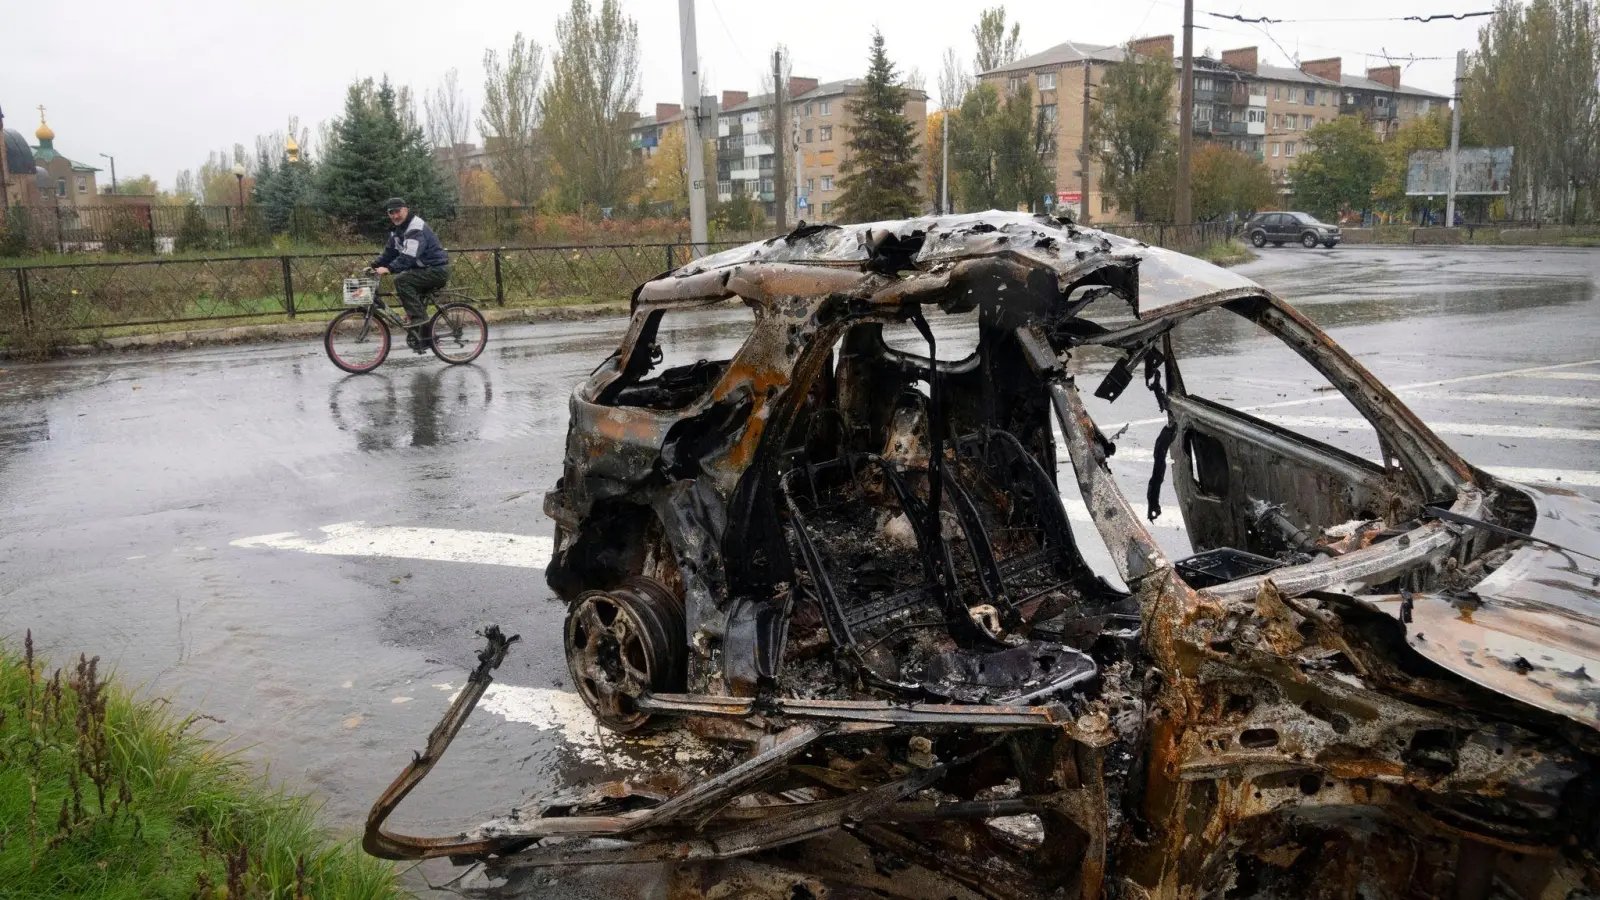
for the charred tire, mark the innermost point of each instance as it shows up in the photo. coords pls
(622, 643)
(1309, 239)
(1258, 239)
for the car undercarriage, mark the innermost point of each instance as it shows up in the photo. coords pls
(846, 556)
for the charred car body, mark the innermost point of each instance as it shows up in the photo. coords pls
(853, 561)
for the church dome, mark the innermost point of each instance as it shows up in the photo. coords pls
(45, 132)
(19, 157)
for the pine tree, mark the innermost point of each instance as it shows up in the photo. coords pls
(880, 171)
(377, 153)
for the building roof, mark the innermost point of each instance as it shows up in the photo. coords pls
(1075, 52)
(19, 156)
(820, 92)
(1069, 52)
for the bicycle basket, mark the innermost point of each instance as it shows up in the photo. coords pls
(360, 291)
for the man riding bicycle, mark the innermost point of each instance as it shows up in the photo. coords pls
(419, 264)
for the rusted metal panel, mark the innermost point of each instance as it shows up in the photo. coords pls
(853, 563)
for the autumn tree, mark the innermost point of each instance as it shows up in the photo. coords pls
(1429, 132)
(588, 103)
(997, 150)
(1228, 181)
(880, 168)
(1535, 84)
(510, 119)
(1339, 168)
(1132, 126)
(139, 185)
(996, 46)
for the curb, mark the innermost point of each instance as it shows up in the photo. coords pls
(294, 331)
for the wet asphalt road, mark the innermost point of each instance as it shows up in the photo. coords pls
(131, 487)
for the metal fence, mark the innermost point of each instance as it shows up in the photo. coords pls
(62, 301)
(54, 303)
(166, 228)
(1183, 238)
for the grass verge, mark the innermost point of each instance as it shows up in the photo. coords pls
(1225, 253)
(108, 798)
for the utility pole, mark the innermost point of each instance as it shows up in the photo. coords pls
(944, 177)
(1183, 213)
(5, 199)
(779, 133)
(113, 171)
(691, 128)
(1455, 139)
(1083, 152)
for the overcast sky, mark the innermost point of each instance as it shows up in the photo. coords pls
(160, 84)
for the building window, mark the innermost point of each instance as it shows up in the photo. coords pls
(808, 135)
(822, 108)
(61, 187)
(1381, 101)
(825, 133)
(1105, 203)
(766, 185)
(827, 182)
(827, 208)
(1274, 148)
(1293, 121)
(1204, 83)
(83, 185)
(1288, 148)
(1047, 81)
(1202, 112)
(811, 186)
(724, 187)
(1425, 106)
(1277, 92)
(1311, 96)
(1256, 115)
(1014, 84)
(808, 109)
(1047, 112)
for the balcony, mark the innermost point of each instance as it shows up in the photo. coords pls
(1238, 128)
(1202, 128)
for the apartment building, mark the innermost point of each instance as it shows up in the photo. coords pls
(1258, 109)
(820, 124)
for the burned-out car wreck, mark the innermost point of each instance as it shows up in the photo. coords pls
(852, 561)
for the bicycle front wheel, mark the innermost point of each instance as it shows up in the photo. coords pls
(357, 342)
(459, 333)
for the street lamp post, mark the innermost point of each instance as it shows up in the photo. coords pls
(238, 175)
(113, 171)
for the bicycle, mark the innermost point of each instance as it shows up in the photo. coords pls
(357, 340)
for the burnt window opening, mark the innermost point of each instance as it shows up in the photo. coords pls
(1208, 464)
(673, 367)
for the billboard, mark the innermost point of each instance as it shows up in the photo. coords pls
(1483, 170)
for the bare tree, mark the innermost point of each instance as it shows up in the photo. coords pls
(449, 120)
(954, 82)
(511, 116)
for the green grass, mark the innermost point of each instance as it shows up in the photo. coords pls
(368, 249)
(1225, 253)
(108, 798)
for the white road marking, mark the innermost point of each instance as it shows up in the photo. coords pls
(1516, 399)
(1563, 376)
(1530, 372)
(1545, 476)
(402, 542)
(1474, 429)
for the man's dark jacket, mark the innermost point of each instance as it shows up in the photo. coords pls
(412, 245)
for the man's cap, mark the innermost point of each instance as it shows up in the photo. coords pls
(394, 203)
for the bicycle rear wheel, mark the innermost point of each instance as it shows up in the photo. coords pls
(357, 342)
(459, 333)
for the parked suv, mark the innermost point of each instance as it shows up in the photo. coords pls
(1279, 227)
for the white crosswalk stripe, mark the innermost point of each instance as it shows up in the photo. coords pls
(1470, 429)
(1512, 399)
(528, 551)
